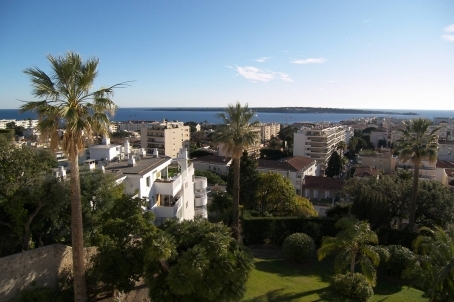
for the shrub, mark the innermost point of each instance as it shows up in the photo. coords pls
(399, 256)
(299, 247)
(353, 286)
(312, 229)
(388, 236)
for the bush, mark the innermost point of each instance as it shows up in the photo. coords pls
(299, 247)
(353, 286)
(399, 257)
(312, 229)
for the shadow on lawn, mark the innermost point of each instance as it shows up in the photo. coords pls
(284, 268)
(325, 294)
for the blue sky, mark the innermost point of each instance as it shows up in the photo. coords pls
(342, 54)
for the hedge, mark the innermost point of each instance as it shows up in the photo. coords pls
(274, 230)
(388, 236)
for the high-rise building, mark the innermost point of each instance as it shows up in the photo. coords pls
(167, 137)
(318, 142)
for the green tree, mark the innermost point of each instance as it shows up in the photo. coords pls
(275, 143)
(125, 232)
(26, 189)
(435, 205)
(433, 267)
(334, 165)
(276, 196)
(417, 143)
(220, 208)
(98, 193)
(235, 135)
(196, 261)
(355, 243)
(66, 99)
(249, 178)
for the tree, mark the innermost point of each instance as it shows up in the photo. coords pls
(355, 243)
(286, 134)
(334, 165)
(433, 267)
(275, 143)
(235, 134)
(196, 261)
(435, 205)
(276, 196)
(220, 208)
(125, 232)
(99, 191)
(26, 189)
(66, 99)
(342, 146)
(249, 179)
(417, 143)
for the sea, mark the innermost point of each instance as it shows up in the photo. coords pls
(155, 114)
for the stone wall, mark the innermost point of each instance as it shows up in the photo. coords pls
(42, 267)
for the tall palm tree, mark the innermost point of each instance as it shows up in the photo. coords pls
(355, 243)
(342, 145)
(234, 135)
(417, 143)
(65, 100)
(433, 266)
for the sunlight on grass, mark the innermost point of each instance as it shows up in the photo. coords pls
(279, 280)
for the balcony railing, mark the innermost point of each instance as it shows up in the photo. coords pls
(169, 186)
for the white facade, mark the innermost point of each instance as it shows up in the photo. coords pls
(167, 137)
(267, 131)
(318, 142)
(427, 170)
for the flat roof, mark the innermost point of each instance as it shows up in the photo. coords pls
(142, 166)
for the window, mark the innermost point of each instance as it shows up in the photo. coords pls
(148, 181)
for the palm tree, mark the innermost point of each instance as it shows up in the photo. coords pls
(433, 268)
(417, 143)
(66, 100)
(353, 242)
(342, 146)
(234, 135)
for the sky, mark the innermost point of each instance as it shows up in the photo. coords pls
(327, 53)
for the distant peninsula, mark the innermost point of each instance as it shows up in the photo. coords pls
(287, 110)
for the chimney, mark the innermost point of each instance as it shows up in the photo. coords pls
(106, 140)
(101, 167)
(155, 152)
(131, 161)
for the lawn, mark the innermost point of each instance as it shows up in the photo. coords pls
(280, 280)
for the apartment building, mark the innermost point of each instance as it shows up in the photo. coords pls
(253, 150)
(269, 130)
(427, 169)
(446, 150)
(167, 137)
(318, 142)
(384, 161)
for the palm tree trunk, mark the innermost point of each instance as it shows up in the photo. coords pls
(414, 191)
(352, 263)
(77, 234)
(236, 200)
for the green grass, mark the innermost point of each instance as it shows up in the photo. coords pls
(279, 280)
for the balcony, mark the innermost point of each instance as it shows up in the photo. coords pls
(169, 186)
(168, 209)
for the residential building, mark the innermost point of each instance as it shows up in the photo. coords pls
(107, 151)
(167, 137)
(366, 171)
(384, 161)
(296, 168)
(214, 163)
(439, 120)
(445, 173)
(446, 150)
(427, 169)
(318, 142)
(323, 192)
(269, 130)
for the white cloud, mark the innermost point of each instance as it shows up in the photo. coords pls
(449, 28)
(449, 38)
(309, 61)
(258, 75)
(228, 66)
(450, 33)
(263, 59)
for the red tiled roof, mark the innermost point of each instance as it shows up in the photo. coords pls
(366, 172)
(445, 164)
(293, 164)
(319, 182)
